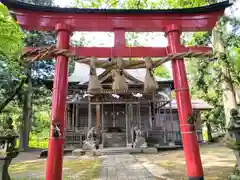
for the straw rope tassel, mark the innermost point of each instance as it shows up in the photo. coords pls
(119, 83)
(94, 85)
(150, 84)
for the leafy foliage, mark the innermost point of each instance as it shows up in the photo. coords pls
(206, 76)
(39, 2)
(161, 71)
(12, 71)
(11, 35)
(141, 4)
(117, 4)
(11, 45)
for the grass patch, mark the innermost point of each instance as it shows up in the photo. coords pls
(177, 171)
(218, 162)
(87, 169)
(28, 166)
(84, 169)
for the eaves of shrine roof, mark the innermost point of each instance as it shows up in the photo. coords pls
(197, 104)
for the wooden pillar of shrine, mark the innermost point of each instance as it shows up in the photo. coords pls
(68, 118)
(139, 115)
(89, 114)
(77, 124)
(73, 123)
(102, 115)
(127, 123)
(150, 115)
(130, 108)
(174, 135)
(114, 116)
(73, 116)
(98, 115)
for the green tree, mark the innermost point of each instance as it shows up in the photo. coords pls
(36, 97)
(162, 71)
(206, 77)
(11, 45)
(211, 79)
(39, 2)
(11, 35)
(224, 44)
(35, 73)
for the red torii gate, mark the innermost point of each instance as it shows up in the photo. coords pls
(66, 20)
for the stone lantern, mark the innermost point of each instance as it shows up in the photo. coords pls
(232, 141)
(8, 150)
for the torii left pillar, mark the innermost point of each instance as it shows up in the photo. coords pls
(60, 86)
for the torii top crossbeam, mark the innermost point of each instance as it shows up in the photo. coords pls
(33, 17)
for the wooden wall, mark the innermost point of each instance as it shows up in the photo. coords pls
(165, 123)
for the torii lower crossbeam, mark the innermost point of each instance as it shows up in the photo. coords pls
(125, 52)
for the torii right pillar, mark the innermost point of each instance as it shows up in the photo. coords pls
(189, 138)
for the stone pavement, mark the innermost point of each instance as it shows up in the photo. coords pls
(123, 167)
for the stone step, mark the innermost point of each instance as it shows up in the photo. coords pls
(114, 151)
(115, 145)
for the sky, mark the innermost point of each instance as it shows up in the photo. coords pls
(102, 39)
(63, 3)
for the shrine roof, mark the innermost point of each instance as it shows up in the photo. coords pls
(81, 74)
(11, 4)
(197, 104)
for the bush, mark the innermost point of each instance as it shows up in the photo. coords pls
(38, 140)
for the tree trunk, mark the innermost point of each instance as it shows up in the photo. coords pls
(9, 99)
(27, 112)
(209, 132)
(229, 95)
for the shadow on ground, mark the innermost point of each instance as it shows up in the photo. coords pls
(217, 160)
(73, 168)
